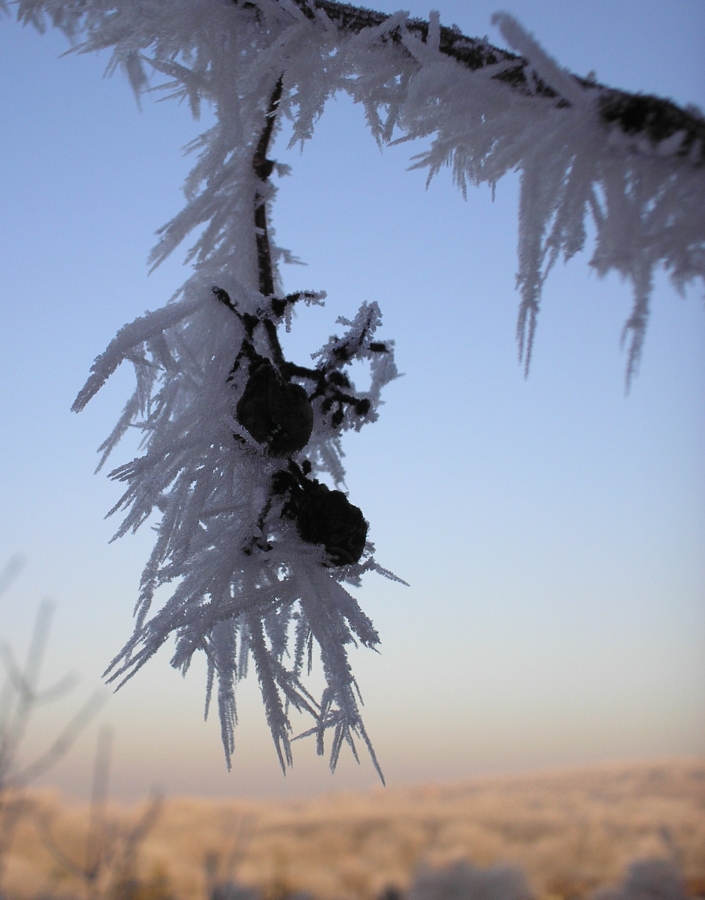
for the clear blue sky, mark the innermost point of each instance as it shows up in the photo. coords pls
(551, 529)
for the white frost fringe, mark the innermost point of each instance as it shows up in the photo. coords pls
(646, 204)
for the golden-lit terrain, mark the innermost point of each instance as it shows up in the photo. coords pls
(570, 831)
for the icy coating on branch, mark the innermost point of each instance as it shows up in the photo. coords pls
(583, 151)
(235, 435)
(259, 547)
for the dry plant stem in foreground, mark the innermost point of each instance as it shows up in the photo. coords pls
(20, 699)
(110, 863)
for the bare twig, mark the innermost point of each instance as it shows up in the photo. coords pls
(221, 870)
(263, 169)
(19, 698)
(111, 852)
(11, 570)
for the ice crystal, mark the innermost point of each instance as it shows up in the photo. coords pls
(235, 436)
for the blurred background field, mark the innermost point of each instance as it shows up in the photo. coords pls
(571, 831)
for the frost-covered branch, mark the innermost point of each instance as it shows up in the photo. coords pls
(632, 163)
(237, 440)
(636, 114)
(235, 436)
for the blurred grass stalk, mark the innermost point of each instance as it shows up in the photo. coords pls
(20, 698)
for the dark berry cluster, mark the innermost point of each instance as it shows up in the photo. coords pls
(278, 413)
(322, 516)
(274, 411)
